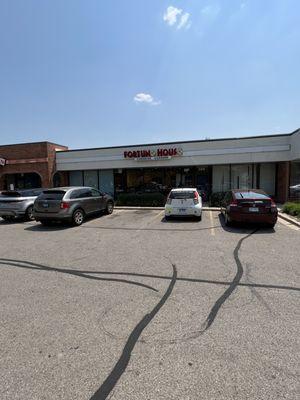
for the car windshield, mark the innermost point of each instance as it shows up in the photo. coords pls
(252, 195)
(188, 194)
(52, 195)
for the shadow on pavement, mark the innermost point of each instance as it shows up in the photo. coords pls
(244, 227)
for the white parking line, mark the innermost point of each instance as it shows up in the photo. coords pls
(212, 229)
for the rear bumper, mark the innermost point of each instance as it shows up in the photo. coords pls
(12, 213)
(51, 217)
(254, 218)
(189, 212)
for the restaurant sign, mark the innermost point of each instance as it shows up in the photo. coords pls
(157, 154)
(2, 162)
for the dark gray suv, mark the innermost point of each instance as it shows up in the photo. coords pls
(70, 204)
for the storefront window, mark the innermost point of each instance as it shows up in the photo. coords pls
(267, 178)
(91, 178)
(76, 178)
(295, 180)
(221, 178)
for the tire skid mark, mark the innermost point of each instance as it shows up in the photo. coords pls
(236, 280)
(74, 272)
(110, 382)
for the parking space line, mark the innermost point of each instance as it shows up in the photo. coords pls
(288, 224)
(212, 229)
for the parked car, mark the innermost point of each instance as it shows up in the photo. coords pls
(295, 189)
(70, 204)
(251, 205)
(183, 202)
(18, 204)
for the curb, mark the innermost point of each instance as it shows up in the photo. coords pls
(289, 219)
(160, 208)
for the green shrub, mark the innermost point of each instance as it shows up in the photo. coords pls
(141, 199)
(292, 209)
(216, 198)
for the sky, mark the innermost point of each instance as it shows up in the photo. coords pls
(95, 73)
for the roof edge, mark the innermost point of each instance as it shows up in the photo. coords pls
(182, 141)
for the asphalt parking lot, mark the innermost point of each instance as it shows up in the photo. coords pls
(129, 306)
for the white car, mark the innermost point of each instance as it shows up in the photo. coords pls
(184, 202)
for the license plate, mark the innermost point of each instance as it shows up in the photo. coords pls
(45, 205)
(253, 209)
(182, 209)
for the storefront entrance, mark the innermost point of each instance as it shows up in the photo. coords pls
(151, 180)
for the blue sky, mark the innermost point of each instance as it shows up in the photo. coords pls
(100, 73)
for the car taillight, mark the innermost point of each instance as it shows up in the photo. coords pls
(196, 198)
(64, 205)
(169, 200)
(273, 206)
(234, 203)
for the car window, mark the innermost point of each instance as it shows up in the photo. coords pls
(95, 193)
(52, 195)
(252, 195)
(84, 193)
(188, 194)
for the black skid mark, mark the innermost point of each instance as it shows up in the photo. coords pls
(121, 365)
(74, 272)
(236, 280)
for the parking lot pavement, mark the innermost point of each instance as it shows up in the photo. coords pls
(130, 306)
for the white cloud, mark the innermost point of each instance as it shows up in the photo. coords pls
(176, 16)
(146, 98)
(184, 21)
(170, 16)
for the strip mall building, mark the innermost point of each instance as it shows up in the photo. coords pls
(271, 163)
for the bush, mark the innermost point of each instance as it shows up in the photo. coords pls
(216, 198)
(292, 209)
(141, 199)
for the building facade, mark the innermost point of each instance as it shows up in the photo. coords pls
(29, 165)
(271, 163)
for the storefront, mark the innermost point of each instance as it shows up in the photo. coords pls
(265, 162)
(29, 165)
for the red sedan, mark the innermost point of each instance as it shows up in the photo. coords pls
(251, 205)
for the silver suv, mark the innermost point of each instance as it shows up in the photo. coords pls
(18, 204)
(71, 204)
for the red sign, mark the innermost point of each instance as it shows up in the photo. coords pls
(153, 154)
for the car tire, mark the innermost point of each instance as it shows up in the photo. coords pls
(167, 218)
(109, 208)
(228, 221)
(29, 214)
(199, 218)
(78, 217)
(271, 226)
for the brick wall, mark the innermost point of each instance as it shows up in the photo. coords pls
(283, 178)
(30, 157)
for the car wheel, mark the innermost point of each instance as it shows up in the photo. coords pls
(271, 225)
(109, 207)
(78, 217)
(227, 220)
(199, 218)
(167, 218)
(29, 214)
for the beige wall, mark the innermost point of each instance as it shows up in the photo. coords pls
(232, 151)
